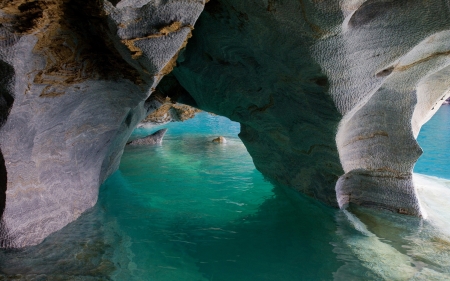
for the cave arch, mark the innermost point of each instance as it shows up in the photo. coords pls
(369, 119)
(288, 71)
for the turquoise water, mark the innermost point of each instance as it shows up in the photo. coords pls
(434, 138)
(194, 210)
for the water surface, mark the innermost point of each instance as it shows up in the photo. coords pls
(434, 138)
(195, 210)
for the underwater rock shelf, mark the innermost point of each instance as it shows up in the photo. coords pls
(330, 95)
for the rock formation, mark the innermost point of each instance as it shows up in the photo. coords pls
(220, 140)
(330, 94)
(169, 102)
(155, 138)
(74, 79)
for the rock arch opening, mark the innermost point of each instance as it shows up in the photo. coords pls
(293, 84)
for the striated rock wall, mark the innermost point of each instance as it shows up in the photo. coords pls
(252, 62)
(74, 78)
(330, 94)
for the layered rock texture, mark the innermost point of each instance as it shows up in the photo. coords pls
(330, 94)
(74, 79)
(169, 103)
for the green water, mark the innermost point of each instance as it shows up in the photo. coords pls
(194, 210)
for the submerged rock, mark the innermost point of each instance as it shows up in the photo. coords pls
(155, 138)
(219, 140)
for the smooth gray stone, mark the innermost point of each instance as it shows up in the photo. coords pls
(74, 77)
(155, 138)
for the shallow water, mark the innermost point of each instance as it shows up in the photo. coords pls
(194, 210)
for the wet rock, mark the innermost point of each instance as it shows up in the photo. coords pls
(155, 138)
(219, 140)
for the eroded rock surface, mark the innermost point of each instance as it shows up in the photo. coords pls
(330, 94)
(74, 77)
(170, 102)
(155, 138)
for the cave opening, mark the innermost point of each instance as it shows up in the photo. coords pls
(195, 209)
(202, 208)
